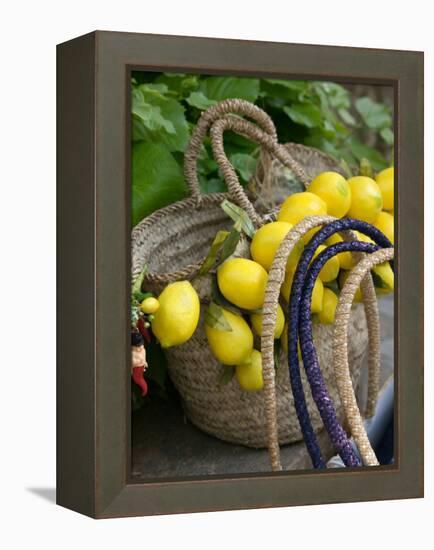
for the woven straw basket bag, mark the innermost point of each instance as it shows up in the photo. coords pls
(174, 241)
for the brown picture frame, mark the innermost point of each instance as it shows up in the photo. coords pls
(93, 382)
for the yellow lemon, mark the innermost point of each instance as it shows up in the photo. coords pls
(329, 304)
(366, 199)
(317, 292)
(307, 236)
(242, 282)
(249, 373)
(149, 305)
(256, 320)
(334, 190)
(285, 289)
(384, 272)
(176, 319)
(234, 346)
(299, 205)
(385, 181)
(345, 258)
(384, 278)
(330, 270)
(385, 223)
(294, 257)
(317, 296)
(343, 276)
(266, 241)
(363, 237)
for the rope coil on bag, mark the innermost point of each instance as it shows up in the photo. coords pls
(340, 352)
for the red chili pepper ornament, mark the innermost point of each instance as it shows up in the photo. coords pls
(138, 361)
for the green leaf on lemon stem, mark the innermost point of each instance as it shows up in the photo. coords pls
(230, 243)
(237, 214)
(379, 276)
(226, 375)
(277, 349)
(137, 285)
(140, 296)
(211, 258)
(214, 317)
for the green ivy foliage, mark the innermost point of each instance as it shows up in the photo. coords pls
(166, 106)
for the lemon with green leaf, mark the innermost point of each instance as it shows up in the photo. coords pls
(384, 279)
(230, 339)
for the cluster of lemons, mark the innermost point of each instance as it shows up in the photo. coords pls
(242, 281)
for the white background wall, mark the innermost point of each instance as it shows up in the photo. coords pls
(29, 32)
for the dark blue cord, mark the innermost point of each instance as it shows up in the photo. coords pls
(318, 387)
(293, 316)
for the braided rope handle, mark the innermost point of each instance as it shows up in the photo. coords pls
(370, 304)
(269, 143)
(340, 351)
(219, 118)
(206, 120)
(276, 277)
(263, 132)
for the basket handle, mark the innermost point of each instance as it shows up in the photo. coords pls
(340, 352)
(220, 117)
(206, 120)
(269, 143)
(276, 276)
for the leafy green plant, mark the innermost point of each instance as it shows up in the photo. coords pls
(165, 107)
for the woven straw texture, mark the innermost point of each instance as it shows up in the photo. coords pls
(173, 243)
(234, 415)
